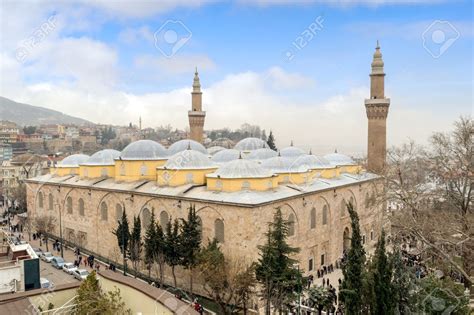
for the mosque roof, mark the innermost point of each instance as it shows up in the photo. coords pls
(291, 151)
(226, 156)
(214, 149)
(73, 160)
(249, 144)
(144, 150)
(339, 159)
(189, 159)
(183, 145)
(241, 168)
(281, 164)
(262, 154)
(103, 157)
(313, 161)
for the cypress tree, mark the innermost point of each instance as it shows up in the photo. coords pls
(383, 279)
(352, 283)
(122, 232)
(136, 243)
(190, 243)
(172, 246)
(149, 243)
(271, 141)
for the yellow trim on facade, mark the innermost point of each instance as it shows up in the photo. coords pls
(239, 184)
(96, 171)
(169, 177)
(129, 171)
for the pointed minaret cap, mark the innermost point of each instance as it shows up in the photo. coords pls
(240, 155)
(310, 152)
(196, 82)
(189, 145)
(291, 144)
(377, 62)
(335, 150)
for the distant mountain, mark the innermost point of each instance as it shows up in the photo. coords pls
(24, 114)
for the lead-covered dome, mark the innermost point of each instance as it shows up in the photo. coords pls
(213, 150)
(313, 162)
(281, 164)
(144, 150)
(241, 168)
(261, 154)
(249, 144)
(291, 152)
(226, 156)
(102, 158)
(338, 159)
(73, 160)
(189, 159)
(183, 145)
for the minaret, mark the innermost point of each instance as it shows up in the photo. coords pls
(196, 114)
(377, 111)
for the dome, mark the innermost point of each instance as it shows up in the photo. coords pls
(226, 156)
(223, 142)
(73, 160)
(291, 152)
(249, 144)
(339, 159)
(313, 161)
(280, 164)
(183, 145)
(189, 159)
(103, 157)
(262, 154)
(213, 150)
(144, 150)
(241, 168)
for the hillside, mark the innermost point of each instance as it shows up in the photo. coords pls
(24, 114)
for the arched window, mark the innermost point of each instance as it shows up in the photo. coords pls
(189, 178)
(86, 172)
(246, 185)
(40, 200)
(164, 219)
(219, 230)
(343, 207)
(122, 169)
(118, 212)
(325, 215)
(146, 218)
(103, 211)
(353, 202)
(199, 220)
(104, 172)
(312, 218)
(143, 170)
(367, 200)
(50, 201)
(218, 184)
(291, 225)
(69, 205)
(81, 207)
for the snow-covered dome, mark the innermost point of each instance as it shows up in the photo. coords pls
(281, 164)
(73, 160)
(291, 152)
(213, 150)
(339, 159)
(226, 156)
(261, 154)
(223, 142)
(189, 159)
(183, 145)
(249, 144)
(144, 150)
(103, 157)
(312, 161)
(241, 168)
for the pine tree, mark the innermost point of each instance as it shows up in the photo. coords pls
(173, 256)
(190, 243)
(136, 243)
(382, 279)
(271, 141)
(280, 280)
(122, 233)
(403, 284)
(353, 270)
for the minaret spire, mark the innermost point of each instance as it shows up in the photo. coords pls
(196, 114)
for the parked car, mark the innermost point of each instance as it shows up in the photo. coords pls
(57, 262)
(80, 274)
(69, 268)
(38, 251)
(45, 283)
(47, 257)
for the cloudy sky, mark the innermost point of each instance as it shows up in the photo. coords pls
(300, 70)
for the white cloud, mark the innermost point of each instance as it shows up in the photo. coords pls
(176, 65)
(342, 3)
(134, 35)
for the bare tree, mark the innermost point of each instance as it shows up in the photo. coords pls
(430, 193)
(44, 224)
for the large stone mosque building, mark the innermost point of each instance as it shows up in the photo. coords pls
(235, 191)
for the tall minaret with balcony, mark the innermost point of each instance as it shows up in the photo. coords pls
(377, 111)
(196, 114)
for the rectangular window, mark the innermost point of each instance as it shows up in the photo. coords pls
(322, 260)
(363, 239)
(371, 235)
(310, 264)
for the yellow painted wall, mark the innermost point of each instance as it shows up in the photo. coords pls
(96, 171)
(325, 173)
(294, 178)
(64, 171)
(135, 300)
(131, 170)
(168, 177)
(238, 184)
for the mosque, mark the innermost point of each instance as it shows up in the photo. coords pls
(235, 191)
